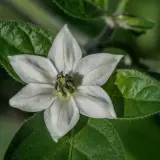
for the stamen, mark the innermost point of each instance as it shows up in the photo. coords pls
(64, 85)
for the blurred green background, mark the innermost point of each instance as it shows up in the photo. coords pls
(146, 47)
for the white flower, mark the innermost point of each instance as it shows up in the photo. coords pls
(64, 84)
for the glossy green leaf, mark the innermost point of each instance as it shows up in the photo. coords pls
(17, 37)
(141, 93)
(91, 139)
(82, 9)
(140, 138)
(136, 24)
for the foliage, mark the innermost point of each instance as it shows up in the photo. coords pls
(78, 144)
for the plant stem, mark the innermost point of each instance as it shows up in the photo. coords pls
(97, 45)
(121, 6)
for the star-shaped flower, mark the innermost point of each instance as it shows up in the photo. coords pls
(64, 84)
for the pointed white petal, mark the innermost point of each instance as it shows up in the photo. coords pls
(33, 98)
(33, 69)
(61, 117)
(65, 52)
(97, 68)
(94, 102)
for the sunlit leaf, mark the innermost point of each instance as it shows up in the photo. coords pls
(141, 93)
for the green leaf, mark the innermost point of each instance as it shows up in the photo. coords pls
(91, 139)
(136, 24)
(115, 95)
(82, 9)
(141, 93)
(17, 37)
(140, 138)
(102, 4)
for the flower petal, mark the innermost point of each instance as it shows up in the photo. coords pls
(97, 68)
(65, 52)
(33, 69)
(61, 117)
(94, 102)
(33, 98)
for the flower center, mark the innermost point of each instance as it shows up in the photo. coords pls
(64, 85)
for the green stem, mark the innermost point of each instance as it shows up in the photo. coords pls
(121, 6)
(97, 45)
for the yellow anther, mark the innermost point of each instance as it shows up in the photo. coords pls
(62, 80)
